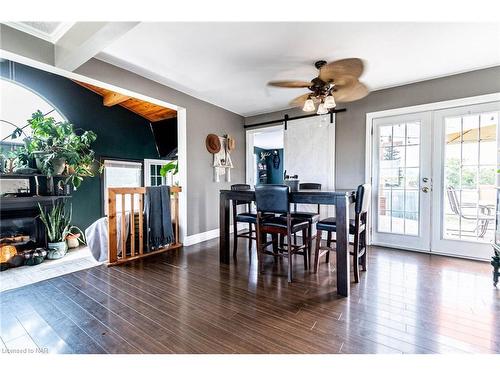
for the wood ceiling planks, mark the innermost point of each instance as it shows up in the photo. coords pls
(151, 112)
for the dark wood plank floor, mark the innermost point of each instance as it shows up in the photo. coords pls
(186, 302)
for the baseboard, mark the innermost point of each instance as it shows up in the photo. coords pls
(209, 235)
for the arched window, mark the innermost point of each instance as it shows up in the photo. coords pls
(17, 104)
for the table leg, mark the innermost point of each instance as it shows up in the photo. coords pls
(223, 229)
(342, 220)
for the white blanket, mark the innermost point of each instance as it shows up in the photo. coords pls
(97, 236)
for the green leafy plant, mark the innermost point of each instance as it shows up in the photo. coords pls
(52, 141)
(57, 222)
(172, 167)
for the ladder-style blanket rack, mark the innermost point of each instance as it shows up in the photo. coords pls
(136, 237)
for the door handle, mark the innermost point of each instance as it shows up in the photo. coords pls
(425, 189)
(425, 179)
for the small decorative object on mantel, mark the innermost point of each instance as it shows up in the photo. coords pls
(221, 147)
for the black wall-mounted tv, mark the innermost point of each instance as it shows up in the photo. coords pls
(165, 134)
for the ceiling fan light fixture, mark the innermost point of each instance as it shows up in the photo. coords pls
(322, 110)
(308, 105)
(330, 102)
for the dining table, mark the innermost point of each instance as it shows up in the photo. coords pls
(341, 199)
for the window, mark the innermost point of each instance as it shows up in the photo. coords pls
(152, 175)
(119, 173)
(17, 104)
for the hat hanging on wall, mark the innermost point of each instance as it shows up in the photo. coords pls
(213, 143)
(231, 143)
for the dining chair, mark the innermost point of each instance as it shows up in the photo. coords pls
(243, 217)
(276, 199)
(311, 217)
(357, 228)
(484, 214)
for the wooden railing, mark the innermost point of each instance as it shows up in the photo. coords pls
(136, 241)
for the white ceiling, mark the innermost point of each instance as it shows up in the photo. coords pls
(229, 64)
(50, 31)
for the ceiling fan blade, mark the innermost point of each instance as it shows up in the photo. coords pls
(292, 84)
(336, 69)
(350, 93)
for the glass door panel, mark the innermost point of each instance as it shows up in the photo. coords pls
(401, 163)
(466, 159)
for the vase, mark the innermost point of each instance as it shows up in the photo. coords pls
(57, 250)
(72, 240)
(57, 164)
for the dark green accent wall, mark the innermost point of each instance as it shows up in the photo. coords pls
(120, 133)
(274, 175)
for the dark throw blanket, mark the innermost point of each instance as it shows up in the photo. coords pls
(158, 216)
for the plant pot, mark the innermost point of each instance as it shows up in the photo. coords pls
(72, 240)
(57, 250)
(57, 164)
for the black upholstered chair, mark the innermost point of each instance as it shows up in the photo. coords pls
(275, 199)
(357, 228)
(247, 217)
(311, 217)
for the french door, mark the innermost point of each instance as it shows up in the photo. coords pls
(466, 153)
(402, 181)
(434, 180)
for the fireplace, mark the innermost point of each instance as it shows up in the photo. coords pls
(22, 228)
(20, 225)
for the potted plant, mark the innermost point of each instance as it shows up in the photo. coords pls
(57, 223)
(57, 147)
(172, 167)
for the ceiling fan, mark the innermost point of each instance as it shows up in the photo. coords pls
(337, 81)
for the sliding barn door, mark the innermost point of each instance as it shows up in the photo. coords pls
(310, 153)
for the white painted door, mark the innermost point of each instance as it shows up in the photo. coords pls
(310, 154)
(465, 164)
(402, 184)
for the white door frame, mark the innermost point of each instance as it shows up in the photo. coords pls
(249, 142)
(181, 122)
(370, 116)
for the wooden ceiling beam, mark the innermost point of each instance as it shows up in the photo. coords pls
(112, 98)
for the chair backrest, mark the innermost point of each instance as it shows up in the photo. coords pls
(310, 186)
(272, 198)
(363, 198)
(240, 187)
(453, 199)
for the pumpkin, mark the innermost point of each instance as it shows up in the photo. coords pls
(7, 252)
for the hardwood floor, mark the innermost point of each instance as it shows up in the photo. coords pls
(186, 302)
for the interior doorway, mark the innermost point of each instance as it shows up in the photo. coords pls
(265, 156)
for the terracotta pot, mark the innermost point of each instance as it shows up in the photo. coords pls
(72, 240)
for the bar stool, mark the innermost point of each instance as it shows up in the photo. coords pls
(311, 217)
(243, 217)
(357, 227)
(276, 199)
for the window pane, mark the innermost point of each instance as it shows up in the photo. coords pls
(413, 133)
(398, 200)
(411, 223)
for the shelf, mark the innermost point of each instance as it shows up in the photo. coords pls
(25, 175)
(13, 203)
